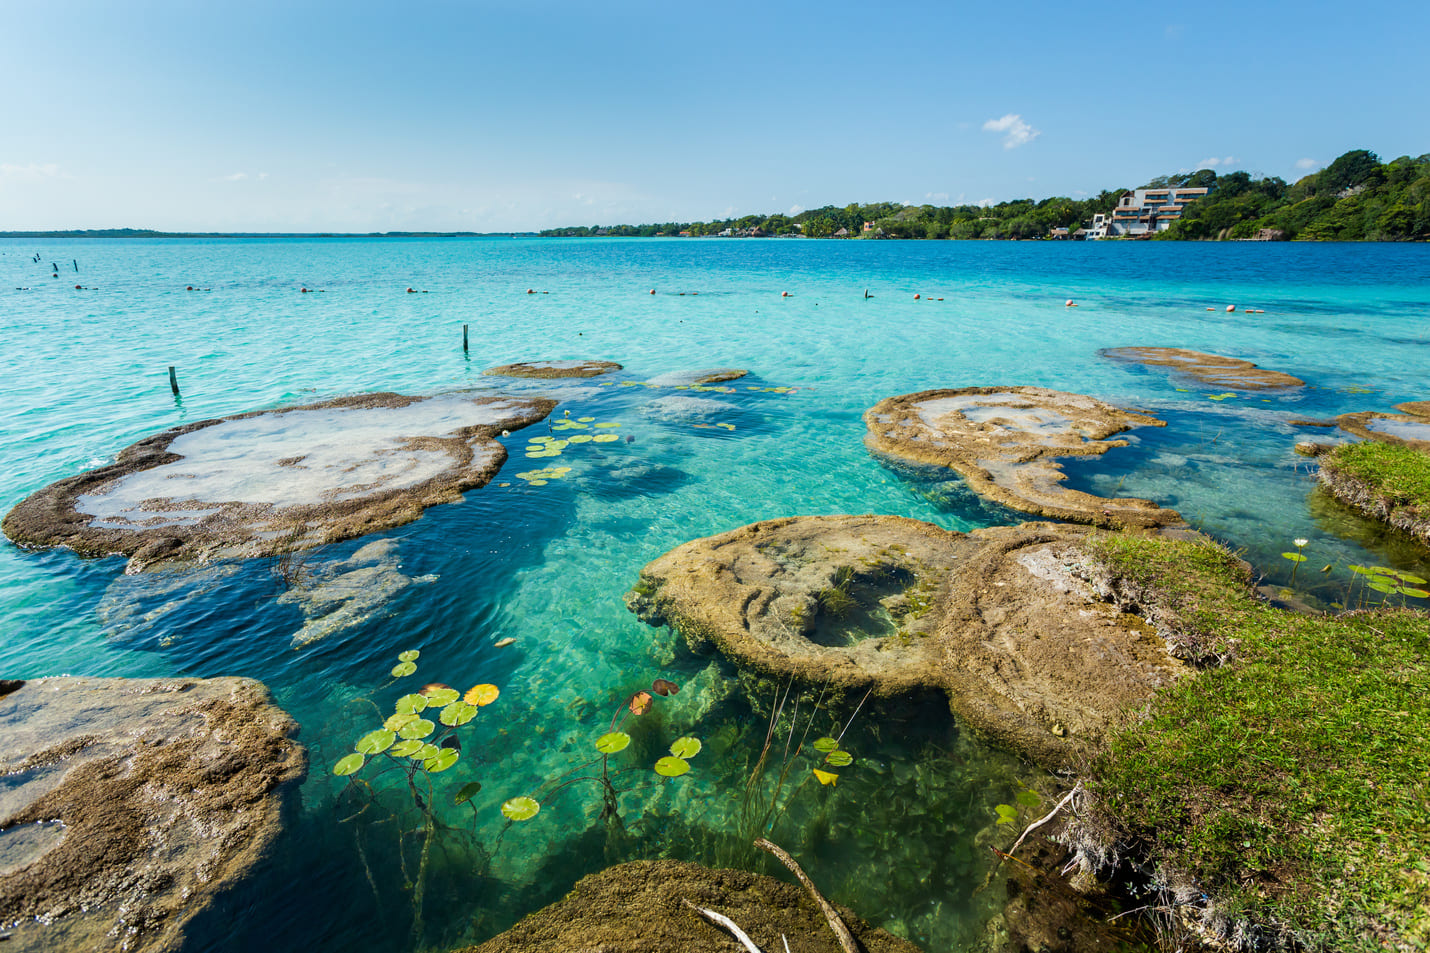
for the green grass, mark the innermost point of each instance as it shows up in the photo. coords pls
(1399, 473)
(1293, 782)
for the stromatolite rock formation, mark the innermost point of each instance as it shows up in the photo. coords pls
(1212, 369)
(1010, 622)
(270, 482)
(1410, 428)
(129, 804)
(636, 908)
(716, 375)
(550, 370)
(1005, 442)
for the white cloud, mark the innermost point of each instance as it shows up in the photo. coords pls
(937, 196)
(1015, 131)
(236, 177)
(986, 203)
(1306, 163)
(35, 170)
(1213, 162)
(795, 210)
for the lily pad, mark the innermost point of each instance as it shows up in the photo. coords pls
(825, 744)
(1294, 557)
(466, 792)
(411, 704)
(585, 420)
(420, 728)
(395, 722)
(580, 438)
(1007, 813)
(1414, 593)
(457, 713)
(349, 765)
(376, 742)
(446, 757)
(411, 655)
(825, 777)
(1381, 586)
(521, 808)
(671, 767)
(1028, 798)
(1411, 578)
(481, 695)
(605, 438)
(839, 759)
(613, 741)
(686, 748)
(406, 749)
(402, 669)
(441, 697)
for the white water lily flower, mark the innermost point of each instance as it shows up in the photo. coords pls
(1300, 542)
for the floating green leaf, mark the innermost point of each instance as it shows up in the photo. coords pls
(521, 808)
(376, 742)
(411, 655)
(457, 713)
(1007, 813)
(406, 749)
(419, 728)
(839, 758)
(411, 704)
(825, 744)
(1383, 571)
(349, 765)
(1359, 569)
(1028, 798)
(1410, 578)
(1294, 557)
(671, 767)
(440, 697)
(395, 722)
(426, 752)
(1414, 593)
(826, 777)
(403, 669)
(612, 741)
(685, 747)
(1381, 586)
(444, 759)
(466, 792)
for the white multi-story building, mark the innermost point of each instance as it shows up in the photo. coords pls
(1144, 211)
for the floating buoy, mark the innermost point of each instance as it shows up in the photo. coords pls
(917, 297)
(530, 292)
(1230, 308)
(189, 288)
(652, 291)
(1211, 309)
(411, 292)
(784, 294)
(77, 287)
(1070, 304)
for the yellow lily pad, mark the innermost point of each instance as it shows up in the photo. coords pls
(607, 425)
(605, 438)
(579, 438)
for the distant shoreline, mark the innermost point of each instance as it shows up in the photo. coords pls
(150, 233)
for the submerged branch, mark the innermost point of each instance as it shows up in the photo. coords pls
(846, 939)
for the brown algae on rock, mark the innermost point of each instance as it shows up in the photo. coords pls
(1409, 429)
(1212, 369)
(270, 482)
(1004, 441)
(551, 370)
(1003, 621)
(130, 803)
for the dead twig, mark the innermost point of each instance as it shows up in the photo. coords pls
(721, 920)
(846, 939)
(1077, 789)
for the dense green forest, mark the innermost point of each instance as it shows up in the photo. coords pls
(1355, 198)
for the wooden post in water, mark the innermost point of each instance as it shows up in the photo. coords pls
(173, 381)
(464, 339)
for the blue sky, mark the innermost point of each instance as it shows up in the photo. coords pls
(495, 116)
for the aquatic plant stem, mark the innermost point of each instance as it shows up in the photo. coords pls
(841, 931)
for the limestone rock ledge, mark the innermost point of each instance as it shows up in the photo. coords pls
(1012, 624)
(128, 804)
(636, 908)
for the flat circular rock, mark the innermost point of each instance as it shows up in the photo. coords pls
(1005, 440)
(716, 375)
(129, 804)
(999, 620)
(1212, 369)
(547, 370)
(271, 482)
(1410, 430)
(1415, 408)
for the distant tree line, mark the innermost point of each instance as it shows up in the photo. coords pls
(1355, 198)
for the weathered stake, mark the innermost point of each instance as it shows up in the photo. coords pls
(464, 339)
(173, 381)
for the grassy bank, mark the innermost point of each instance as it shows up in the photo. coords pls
(1388, 481)
(1286, 793)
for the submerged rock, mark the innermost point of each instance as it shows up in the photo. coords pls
(1410, 429)
(636, 908)
(1210, 369)
(1004, 621)
(339, 595)
(716, 375)
(548, 370)
(1004, 441)
(130, 803)
(269, 482)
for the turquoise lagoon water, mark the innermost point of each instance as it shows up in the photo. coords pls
(904, 836)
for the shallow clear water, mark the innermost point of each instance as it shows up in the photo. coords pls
(903, 837)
